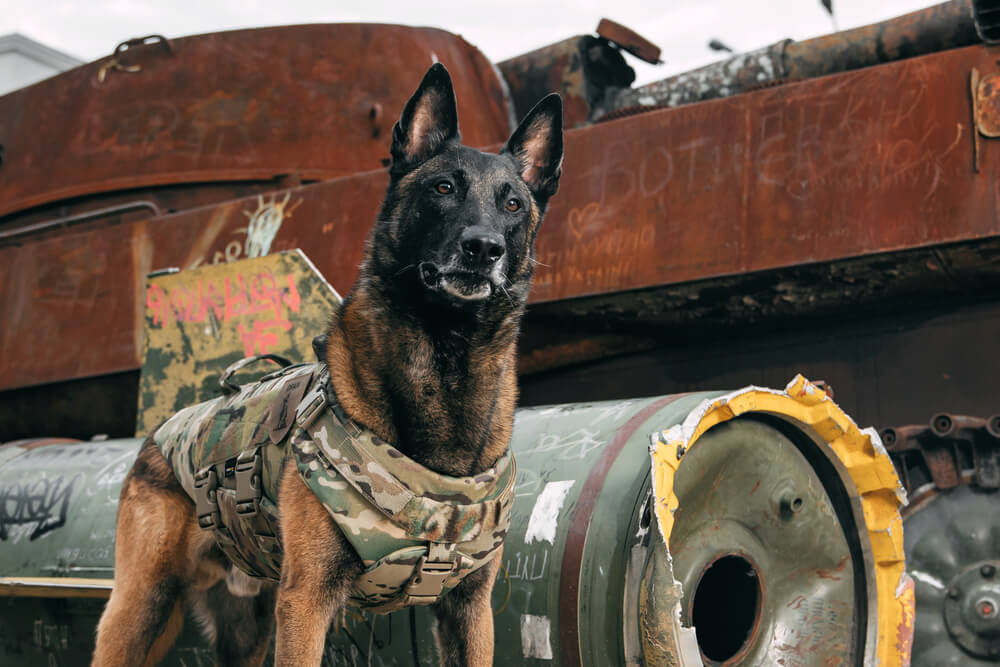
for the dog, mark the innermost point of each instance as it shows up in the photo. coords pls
(422, 352)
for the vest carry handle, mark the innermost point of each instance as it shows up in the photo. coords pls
(229, 387)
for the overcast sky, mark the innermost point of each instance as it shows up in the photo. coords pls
(89, 29)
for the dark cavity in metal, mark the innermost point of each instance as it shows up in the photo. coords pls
(987, 16)
(726, 606)
(76, 219)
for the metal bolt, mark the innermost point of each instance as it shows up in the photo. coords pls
(987, 570)
(791, 504)
(680, 452)
(953, 593)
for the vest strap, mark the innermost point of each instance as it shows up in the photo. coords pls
(248, 482)
(205, 504)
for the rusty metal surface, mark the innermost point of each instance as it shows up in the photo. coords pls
(78, 218)
(662, 199)
(725, 78)
(986, 98)
(940, 27)
(629, 40)
(860, 163)
(580, 68)
(946, 452)
(946, 26)
(242, 105)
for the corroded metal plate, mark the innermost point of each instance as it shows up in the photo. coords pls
(199, 321)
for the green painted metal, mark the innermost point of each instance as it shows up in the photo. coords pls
(585, 577)
(953, 555)
(58, 505)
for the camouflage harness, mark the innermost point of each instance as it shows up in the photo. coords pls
(417, 532)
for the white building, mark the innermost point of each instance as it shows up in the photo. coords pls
(24, 61)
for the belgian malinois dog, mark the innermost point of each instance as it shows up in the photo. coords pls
(422, 353)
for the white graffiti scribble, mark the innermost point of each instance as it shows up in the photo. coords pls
(615, 411)
(265, 223)
(576, 445)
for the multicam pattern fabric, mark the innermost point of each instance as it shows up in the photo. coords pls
(399, 516)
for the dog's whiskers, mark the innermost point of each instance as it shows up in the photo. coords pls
(404, 269)
(535, 261)
(502, 285)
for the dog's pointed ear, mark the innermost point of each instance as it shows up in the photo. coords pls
(537, 147)
(429, 119)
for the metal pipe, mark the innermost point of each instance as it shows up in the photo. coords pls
(946, 425)
(946, 26)
(993, 425)
(77, 218)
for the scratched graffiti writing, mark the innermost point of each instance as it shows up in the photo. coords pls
(40, 504)
(50, 635)
(265, 222)
(575, 445)
(260, 302)
(257, 238)
(528, 566)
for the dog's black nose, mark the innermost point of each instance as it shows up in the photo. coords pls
(482, 245)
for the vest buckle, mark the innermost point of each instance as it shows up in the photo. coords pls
(248, 482)
(428, 580)
(205, 504)
(311, 406)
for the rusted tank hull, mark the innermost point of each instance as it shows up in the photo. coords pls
(825, 170)
(247, 105)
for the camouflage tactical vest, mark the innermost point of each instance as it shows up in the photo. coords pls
(417, 532)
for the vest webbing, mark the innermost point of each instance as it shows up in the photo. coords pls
(417, 532)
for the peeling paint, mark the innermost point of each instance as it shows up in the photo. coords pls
(926, 578)
(535, 637)
(545, 514)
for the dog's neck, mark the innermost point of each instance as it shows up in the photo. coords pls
(443, 397)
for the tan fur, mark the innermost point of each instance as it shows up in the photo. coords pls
(163, 643)
(359, 389)
(423, 124)
(307, 598)
(158, 541)
(468, 625)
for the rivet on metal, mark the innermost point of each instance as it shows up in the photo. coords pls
(791, 504)
(987, 570)
(680, 452)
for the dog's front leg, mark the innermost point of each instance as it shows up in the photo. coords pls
(316, 573)
(465, 620)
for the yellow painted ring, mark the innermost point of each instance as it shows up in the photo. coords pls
(867, 464)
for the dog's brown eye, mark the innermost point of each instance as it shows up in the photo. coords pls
(444, 187)
(513, 205)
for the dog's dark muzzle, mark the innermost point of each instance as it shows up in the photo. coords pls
(481, 248)
(470, 274)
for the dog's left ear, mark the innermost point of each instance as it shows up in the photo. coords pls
(537, 146)
(429, 119)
